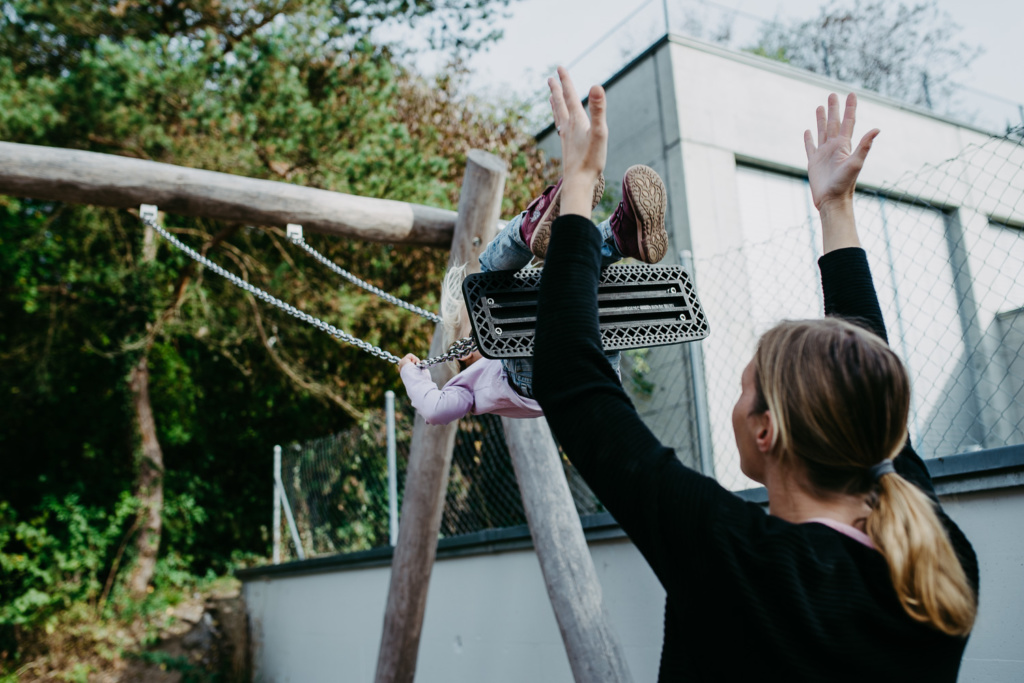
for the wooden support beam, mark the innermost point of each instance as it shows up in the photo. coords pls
(569, 574)
(430, 454)
(78, 177)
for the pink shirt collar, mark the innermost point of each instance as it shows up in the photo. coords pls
(845, 529)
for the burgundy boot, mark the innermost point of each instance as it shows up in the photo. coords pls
(542, 212)
(638, 223)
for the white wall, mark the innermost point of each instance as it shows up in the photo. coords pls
(991, 520)
(488, 617)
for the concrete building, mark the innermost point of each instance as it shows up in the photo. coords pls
(941, 216)
(725, 131)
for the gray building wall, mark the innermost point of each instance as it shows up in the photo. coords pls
(1009, 392)
(694, 112)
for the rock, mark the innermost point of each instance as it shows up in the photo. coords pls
(201, 636)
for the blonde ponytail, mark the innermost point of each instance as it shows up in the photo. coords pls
(926, 573)
(454, 318)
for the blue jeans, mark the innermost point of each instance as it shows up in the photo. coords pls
(507, 251)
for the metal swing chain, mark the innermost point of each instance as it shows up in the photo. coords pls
(460, 348)
(457, 350)
(298, 240)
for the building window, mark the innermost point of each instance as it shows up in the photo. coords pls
(774, 276)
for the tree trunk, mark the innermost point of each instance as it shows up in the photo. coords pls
(149, 475)
(149, 483)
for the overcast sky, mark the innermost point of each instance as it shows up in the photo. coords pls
(542, 33)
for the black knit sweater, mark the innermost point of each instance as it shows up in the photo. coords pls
(749, 595)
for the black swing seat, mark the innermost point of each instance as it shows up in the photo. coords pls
(639, 306)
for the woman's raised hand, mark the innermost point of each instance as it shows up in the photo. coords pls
(584, 141)
(832, 168)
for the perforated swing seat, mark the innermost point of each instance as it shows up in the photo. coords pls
(639, 306)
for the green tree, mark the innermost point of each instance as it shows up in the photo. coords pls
(129, 369)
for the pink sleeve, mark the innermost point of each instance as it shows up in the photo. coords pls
(437, 406)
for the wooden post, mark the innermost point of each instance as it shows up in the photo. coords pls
(565, 561)
(75, 176)
(430, 455)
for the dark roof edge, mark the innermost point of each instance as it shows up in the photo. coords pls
(596, 527)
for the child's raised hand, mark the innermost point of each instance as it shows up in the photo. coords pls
(408, 358)
(584, 141)
(832, 168)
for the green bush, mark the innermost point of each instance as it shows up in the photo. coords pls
(62, 555)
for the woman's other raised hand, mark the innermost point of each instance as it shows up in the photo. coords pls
(832, 169)
(584, 141)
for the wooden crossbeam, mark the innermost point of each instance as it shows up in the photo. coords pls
(78, 177)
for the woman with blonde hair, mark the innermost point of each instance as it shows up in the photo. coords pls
(855, 573)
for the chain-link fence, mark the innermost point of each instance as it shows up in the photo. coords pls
(946, 248)
(338, 489)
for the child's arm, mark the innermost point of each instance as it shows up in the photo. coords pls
(437, 406)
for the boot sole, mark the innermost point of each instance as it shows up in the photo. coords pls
(647, 196)
(542, 235)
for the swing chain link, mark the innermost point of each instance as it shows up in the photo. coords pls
(149, 218)
(299, 241)
(459, 349)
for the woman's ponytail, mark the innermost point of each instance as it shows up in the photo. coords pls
(928, 577)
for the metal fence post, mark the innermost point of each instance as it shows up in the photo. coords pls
(277, 506)
(282, 497)
(389, 411)
(700, 391)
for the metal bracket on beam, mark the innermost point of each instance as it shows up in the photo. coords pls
(294, 232)
(148, 211)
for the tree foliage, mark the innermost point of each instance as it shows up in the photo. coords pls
(277, 89)
(910, 52)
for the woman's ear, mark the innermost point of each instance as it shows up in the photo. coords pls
(764, 434)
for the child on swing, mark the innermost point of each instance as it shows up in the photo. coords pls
(505, 387)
